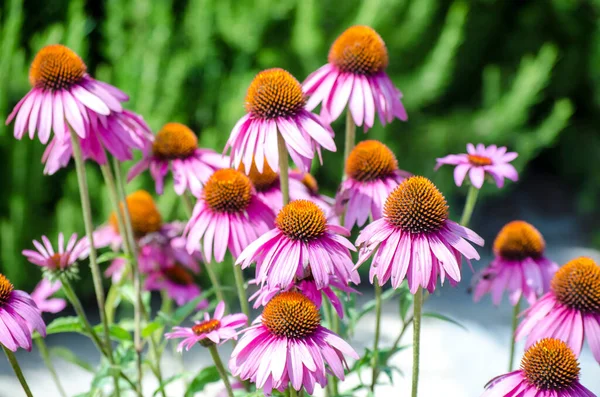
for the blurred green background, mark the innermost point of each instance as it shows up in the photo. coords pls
(517, 73)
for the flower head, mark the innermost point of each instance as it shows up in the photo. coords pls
(415, 239)
(479, 161)
(519, 266)
(287, 344)
(175, 148)
(61, 259)
(570, 310)
(177, 281)
(355, 75)
(302, 242)
(19, 317)
(548, 368)
(372, 173)
(227, 215)
(275, 105)
(41, 296)
(209, 331)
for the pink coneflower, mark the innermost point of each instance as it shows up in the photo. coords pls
(215, 330)
(227, 215)
(41, 297)
(175, 148)
(119, 133)
(372, 173)
(63, 258)
(519, 266)
(548, 369)
(355, 75)
(275, 104)
(287, 344)
(19, 317)
(64, 96)
(177, 281)
(301, 241)
(415, 239)
(570, 310)
(480, 161)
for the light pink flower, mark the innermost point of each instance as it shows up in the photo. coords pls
(355, 75)
(548, 369)
(64, 257)
(275, 105)
(302, 242)
(479, 161)
(175, 149)
(19, 317)
(216, 330)
(519, 266)
(228, 215)
(288, 345)
(415, 239)
(41, 294)
(372, 174)
(570, 311)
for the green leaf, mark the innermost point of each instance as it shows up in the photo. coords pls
(167, 381)
(71, 357)
(65, 324)
(206, 376)
(110, 256)
(184, 311)
(444, 318)
(405, 301)
(151, 328)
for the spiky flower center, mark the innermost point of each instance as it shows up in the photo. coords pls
(6, 289)
(519, 240)
(550, 365)
(359, 50)
(479, 160)
(274, 93)
(174, 141)
(291, 315)
(178, 275)
(207, 326)
(228, 191)
(369, 161)
(301, 220)
(262, 181)
(416, 206)
(145, 218)
(577, 285)
(56, 259)
(56, 67)
(310, 182)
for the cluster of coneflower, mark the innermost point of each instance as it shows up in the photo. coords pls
(251, 206)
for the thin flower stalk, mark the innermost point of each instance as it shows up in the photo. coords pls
(17, 369)
(41, 344)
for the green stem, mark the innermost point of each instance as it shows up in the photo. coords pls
(375, 363)
(350, 137)
(15, 366)
(41, 344)
(293, 392)
(89, 231)
(515, 321)
(469, 205)
(241, 289)
(283, 169)
(188, 204)
(418, 303)
(214, 280)
(221, 369)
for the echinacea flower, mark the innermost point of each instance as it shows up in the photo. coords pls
(41, 297)
(372, 173)
(548, 369)
(287, 344)
(212, 330)
(63, 258)
(302, 240)
(177, 281)
(227, 215)
(64, 96)
(19, 317)
(570, 311)
(519, 266)
(479, 161)
(415, 239)
(275, 104)
(145, 219)
(176, 148)
(355, 75)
